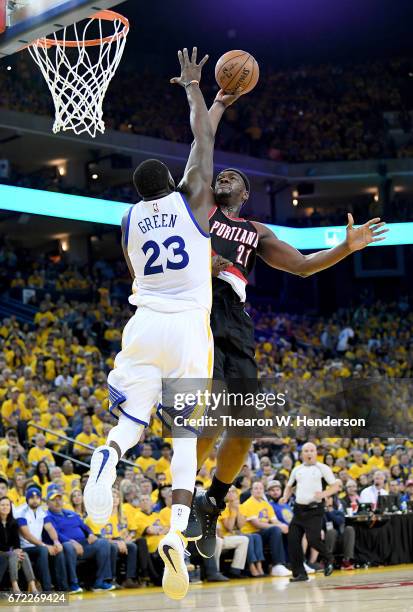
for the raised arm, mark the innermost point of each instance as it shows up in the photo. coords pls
(199, 175)
(216, 112)
(280, 255)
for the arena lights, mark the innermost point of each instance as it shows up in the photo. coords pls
(37, 202)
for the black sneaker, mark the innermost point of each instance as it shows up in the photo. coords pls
(208, 513)
(328, 570)
(218, 577)
(299, 578)
(194, 530)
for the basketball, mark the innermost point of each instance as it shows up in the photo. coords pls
(235, 70)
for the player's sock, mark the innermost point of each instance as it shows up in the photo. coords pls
(183, 464)
(179, 517)
(126, 434)
(217, 491)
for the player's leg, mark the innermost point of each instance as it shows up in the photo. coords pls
(206, 444)
(134, 388)
(188, 364)
(240, 370)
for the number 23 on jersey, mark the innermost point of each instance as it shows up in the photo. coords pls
(178, 258)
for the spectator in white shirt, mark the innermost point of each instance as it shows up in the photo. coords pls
(32, 519)
(252, 460)
(370, 495)
(343, 338)
(64, 379)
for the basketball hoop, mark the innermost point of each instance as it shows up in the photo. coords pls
(79, 69)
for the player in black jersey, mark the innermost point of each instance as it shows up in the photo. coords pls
(235, 244)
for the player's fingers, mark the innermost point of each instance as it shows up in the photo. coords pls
(373, 221)
(350, 220)
(194, 55)
(203, 61)
(378, 239)
(181, 61)
(384, 231)
(175, 80)
(186, 56)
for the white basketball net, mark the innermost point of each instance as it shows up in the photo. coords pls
(78, 71)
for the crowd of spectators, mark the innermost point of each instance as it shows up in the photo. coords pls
(54, 411)
(306, 114)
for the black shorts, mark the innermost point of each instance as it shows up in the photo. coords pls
(234, 341)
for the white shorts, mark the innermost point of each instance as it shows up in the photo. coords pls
(158, 346)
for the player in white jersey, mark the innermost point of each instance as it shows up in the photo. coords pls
(166, 244)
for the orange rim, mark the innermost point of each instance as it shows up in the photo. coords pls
(104, 15)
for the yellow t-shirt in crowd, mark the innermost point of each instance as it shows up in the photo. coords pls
(145, 462)
(376, 462)
(109, 531)
(32, 430)
(225, 514)
(68, 480)
(46, 418)
(9, 408)
(40, 454)
(162, 465)
(252, 508)
(355, 471)
(52, 438)
(43, 487)
(341, 453)
(16, 498)
(92, 439)
(165, 516)
(130, 512)
(143, 521)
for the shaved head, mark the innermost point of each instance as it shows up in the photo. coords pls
(309, 453)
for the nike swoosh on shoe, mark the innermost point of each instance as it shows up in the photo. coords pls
(105, 454)
(166, 550)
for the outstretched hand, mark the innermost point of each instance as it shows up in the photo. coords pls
(190, 70)
(359, 237)
(228, 98)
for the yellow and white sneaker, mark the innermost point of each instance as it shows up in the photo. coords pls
(172, 549)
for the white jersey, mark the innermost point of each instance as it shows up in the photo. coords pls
(309, 481)
(170, 255)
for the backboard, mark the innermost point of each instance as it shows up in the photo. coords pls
(22, 21)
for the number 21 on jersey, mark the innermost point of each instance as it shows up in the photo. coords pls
(178, 258)
(242, 255)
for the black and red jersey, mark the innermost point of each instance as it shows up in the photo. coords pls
(237, 240)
